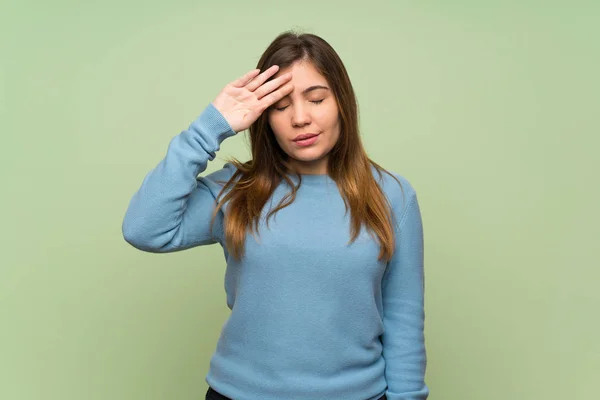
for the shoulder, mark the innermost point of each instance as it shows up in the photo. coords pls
(222, 174)
(216, 180)
(398, 189)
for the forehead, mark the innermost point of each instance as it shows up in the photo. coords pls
(304, 74)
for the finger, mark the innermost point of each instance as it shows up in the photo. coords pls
(272, 85)
(275, 96)
(259, 80)
(241, 82)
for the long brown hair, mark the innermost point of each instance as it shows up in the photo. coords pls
(348, 164)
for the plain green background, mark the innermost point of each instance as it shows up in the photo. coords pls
(489, 108)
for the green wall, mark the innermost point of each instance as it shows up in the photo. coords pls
(489, 108)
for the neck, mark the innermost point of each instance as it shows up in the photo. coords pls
(308, 168)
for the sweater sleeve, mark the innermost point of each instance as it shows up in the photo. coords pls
(403, 308)
(173, 207)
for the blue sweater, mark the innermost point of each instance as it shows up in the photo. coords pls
(311, 316)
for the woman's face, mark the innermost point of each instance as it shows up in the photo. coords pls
(310, 109)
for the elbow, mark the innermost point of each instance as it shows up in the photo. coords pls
(140, 237)
(135, 236)
(132, 236)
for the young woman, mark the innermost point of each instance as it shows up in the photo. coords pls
(324, 248)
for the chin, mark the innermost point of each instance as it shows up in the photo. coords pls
(307, 157)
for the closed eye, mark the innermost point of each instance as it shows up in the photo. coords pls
(312, 101)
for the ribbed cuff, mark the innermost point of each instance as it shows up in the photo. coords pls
(213, 123)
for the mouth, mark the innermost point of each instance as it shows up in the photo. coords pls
(306, 140)
(305, 136)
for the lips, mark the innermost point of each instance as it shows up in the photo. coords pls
(305, 136)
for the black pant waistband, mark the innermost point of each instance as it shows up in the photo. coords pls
(212, 394)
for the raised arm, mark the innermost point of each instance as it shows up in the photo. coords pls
(173, 207)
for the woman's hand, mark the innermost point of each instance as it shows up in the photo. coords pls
(242, 101)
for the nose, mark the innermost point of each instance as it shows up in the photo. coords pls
(300, 116)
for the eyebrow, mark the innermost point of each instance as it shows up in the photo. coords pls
(310, 89)
(314, 87)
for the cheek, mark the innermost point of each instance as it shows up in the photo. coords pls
(277, 121)
(273, 123)
(276, 127)
(329, 118)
